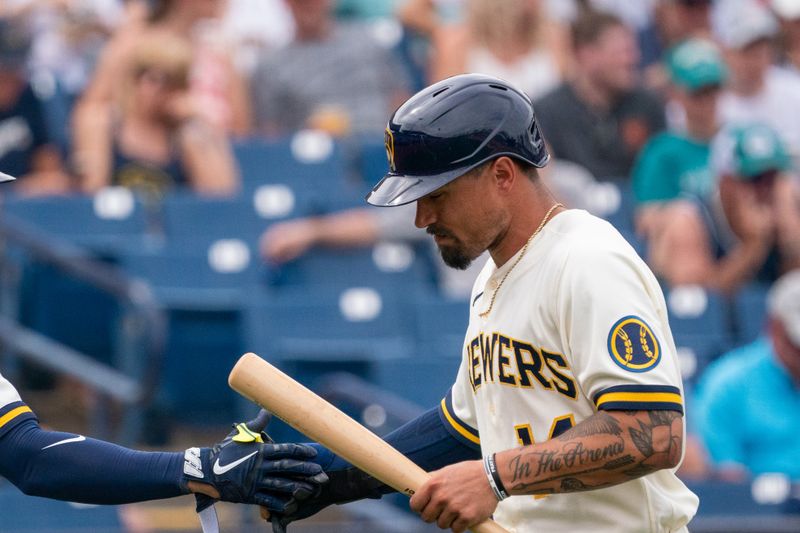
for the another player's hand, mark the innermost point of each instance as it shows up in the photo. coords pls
(456, 497)
(247, 467)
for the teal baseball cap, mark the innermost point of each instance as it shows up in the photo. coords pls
(757, 149)
(695, 64)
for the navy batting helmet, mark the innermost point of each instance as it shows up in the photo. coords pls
(451, 127)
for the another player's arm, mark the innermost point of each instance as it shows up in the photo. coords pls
(606, 449)
(71, 467)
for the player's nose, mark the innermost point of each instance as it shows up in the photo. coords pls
(425, 214)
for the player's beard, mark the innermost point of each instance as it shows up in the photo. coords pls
(453, 256)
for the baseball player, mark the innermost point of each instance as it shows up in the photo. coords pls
(567, 410)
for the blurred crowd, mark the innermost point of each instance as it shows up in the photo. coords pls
(690, 108)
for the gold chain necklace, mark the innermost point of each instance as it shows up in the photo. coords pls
(520, 256)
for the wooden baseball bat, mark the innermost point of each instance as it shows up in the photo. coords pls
(313, 416)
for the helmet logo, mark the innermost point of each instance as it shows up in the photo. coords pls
(388, 141)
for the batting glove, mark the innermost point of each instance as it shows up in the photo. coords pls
(346, 483)
(248, 467)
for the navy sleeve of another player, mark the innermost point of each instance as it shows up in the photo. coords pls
(70, 467)
(426, 440)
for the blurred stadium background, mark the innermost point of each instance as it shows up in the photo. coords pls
(122, 314)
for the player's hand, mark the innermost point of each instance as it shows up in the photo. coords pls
(346, 483)
(247, 467)
(456, 497)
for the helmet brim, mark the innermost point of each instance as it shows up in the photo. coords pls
(399, 189)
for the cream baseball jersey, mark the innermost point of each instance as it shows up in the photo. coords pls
(578, 325)
(12, 409)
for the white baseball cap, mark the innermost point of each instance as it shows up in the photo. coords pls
(783, 303)
(738, 23)
(787, 9)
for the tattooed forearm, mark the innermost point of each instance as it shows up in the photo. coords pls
(600, 424)
(572, 455)
(603, 450)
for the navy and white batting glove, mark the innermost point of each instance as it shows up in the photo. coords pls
(248, 467)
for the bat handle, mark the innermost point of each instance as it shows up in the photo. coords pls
(489, 526)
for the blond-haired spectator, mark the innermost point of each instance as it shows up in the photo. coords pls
(215, 83)
(152, 139)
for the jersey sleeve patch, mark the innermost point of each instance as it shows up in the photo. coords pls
(13, 413)
(632, 345)
(639, 397)
(458, 428)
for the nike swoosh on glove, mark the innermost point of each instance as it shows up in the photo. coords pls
(247, 467)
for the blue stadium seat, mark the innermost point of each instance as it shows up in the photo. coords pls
(53, 303)
(373, 161)
(188, 219)
(212, 277)
(734, 500)
(327, 324)
(750, 306)
(105, 222)
(440, 326)
(422, 380)
(699, 322)
(386, 264)
(202, 292)
(308, 161)
(615, 203)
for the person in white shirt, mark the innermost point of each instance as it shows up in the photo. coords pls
(758, 91)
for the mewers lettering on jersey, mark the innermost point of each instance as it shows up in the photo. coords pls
(579, 325)
(12, 409)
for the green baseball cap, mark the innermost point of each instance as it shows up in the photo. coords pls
(757, 149)
(695, 64)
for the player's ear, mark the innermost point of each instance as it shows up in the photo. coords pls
(504, 173)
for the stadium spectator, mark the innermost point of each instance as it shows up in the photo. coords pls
(788, 11)
(68, 36)
(758, 90)
(672, 175)
(333, 76)
(513, 40)
(254, 26)
(219, 89)
(153, 140)
(746, 407)
(750, 228)
(26, 150)
(674, 21)
(759, 196)
(601, 118)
